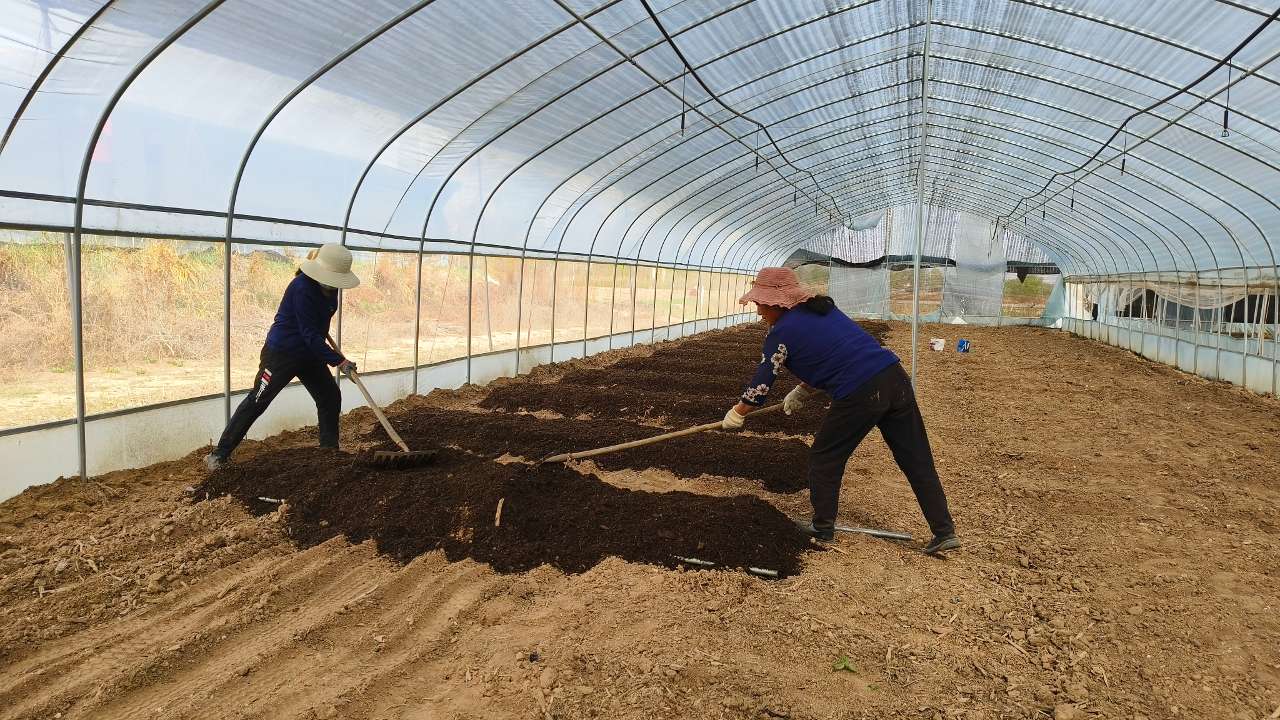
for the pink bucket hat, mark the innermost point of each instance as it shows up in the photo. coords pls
(776, 286)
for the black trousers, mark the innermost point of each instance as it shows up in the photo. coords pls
(888, 402)
(275, 371)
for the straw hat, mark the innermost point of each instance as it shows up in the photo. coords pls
(776, 286)
(331, 265)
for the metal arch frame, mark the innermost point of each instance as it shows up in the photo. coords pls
(787, 230)
(355, 191)
(1034, 120)
(1042, 79)
(581, 53)
(82, 184)
(48, 70)
(623, 59)
(1100, 253)
(1060, 108)
(1079, 253)
(1261, 76)
(841, 156)
(816, 19)
(244, 163)
(1139, 212)
(1167, 123)
(1097, 227)
(579, 206)
(1035, 42)
(1172, 173)
(1163, 40)
(631, 58)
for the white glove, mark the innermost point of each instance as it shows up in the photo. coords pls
(733, 419)
(797, 398)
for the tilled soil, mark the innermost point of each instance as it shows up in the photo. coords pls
(1120, 530)
(777, 464)
(615, 400)
(550, 514)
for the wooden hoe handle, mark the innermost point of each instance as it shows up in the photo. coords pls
(649, 441)
(377, 411)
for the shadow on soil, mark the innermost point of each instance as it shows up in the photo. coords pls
(550, 514)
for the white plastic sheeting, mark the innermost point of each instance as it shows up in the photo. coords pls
(974, 288)
(577, 126)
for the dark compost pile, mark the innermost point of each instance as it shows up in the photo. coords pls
(550, 514)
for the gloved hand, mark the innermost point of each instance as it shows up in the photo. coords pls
(346, 366)
(797, 398)
(733, 419)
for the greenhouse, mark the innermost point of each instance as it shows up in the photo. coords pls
(561, 218)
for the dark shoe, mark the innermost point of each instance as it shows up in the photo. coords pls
(214, 462)
(817, 533)
(942, 543)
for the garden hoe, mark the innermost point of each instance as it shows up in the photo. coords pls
(404, 458)
(563, 457)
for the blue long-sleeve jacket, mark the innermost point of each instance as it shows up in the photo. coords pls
(829, 352)
(303, 320)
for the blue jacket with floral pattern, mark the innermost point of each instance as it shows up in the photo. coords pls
(829, 352)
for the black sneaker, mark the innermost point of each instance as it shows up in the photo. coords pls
(823, 534)
(942, 543)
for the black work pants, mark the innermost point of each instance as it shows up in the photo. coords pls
(276, 370)
(888, 402)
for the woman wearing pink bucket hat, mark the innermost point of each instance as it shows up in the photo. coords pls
(831, 354)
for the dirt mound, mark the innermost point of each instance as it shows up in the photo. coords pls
(651, 380)
(550, 514)
(777, 464)
(617, 401)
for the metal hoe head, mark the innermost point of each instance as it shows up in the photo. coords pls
(396, 460)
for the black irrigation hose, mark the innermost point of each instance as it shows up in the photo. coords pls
(1226, 60)
(759, 126)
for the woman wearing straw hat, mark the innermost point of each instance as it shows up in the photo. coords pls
(296, 347)
(831, 354)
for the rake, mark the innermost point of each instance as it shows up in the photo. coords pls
(404, 458)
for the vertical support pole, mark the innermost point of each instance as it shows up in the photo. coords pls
(417, 318)
(71, 249)
(471, 282)
(920, 217)
(226, 331)
(488, 308)
(520, 310)
(613, 299)
(671, 302)
(586, 309)
(1195, 328)
(554, 281)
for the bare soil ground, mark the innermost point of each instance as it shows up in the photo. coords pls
(1120, 521)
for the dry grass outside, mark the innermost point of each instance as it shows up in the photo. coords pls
(153, 314)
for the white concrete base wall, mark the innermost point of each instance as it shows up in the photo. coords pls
(137, 438)
(1196, 353)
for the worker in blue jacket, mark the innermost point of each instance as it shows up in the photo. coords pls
(831, 354)
(296, 347)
